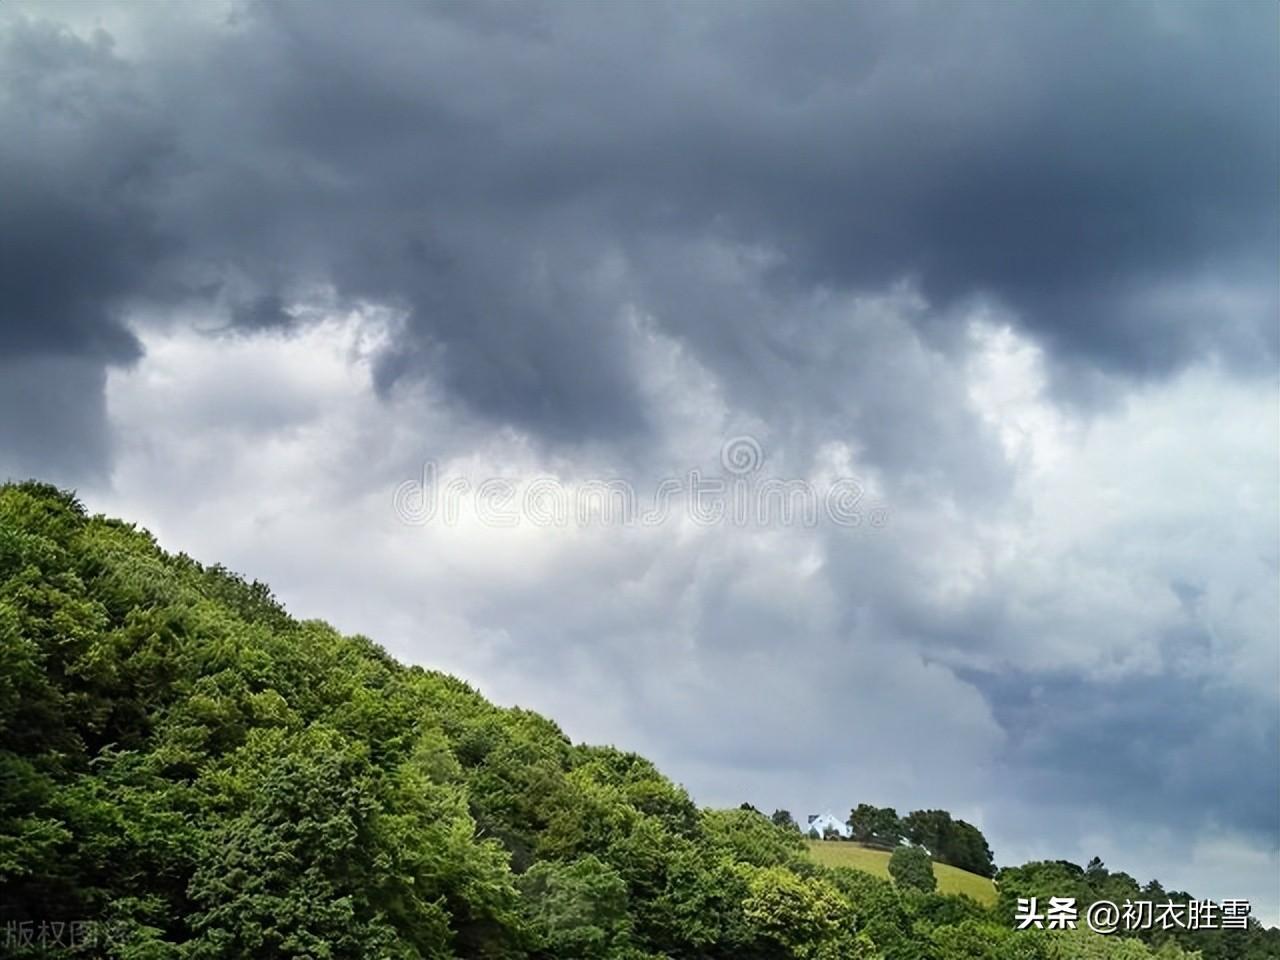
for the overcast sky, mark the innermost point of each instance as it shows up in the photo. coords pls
(1011, 269)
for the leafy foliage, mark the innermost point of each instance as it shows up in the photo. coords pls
(1095, 882)
(186, 762)
(954, 842)
(783, 818)
(877, 826)
(949, 841)
(911, 867)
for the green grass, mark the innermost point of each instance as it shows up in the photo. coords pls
(839, 853)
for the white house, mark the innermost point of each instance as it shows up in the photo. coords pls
(822, 822)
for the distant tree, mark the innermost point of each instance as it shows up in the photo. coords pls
(875, 825)
(910, 866)
(967, 849)
(950, 841)
(783, 818)
(927, 828)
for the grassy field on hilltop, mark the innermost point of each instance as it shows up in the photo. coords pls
(840, 853)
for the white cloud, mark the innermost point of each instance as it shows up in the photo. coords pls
(1109, 517)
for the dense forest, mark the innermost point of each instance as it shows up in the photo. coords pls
(196, 774)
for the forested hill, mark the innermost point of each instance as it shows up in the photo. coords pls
(190, 772)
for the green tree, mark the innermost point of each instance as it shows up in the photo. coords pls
(875, 825)
(808, 918)
(783, 818)
(911, 867)
(955, 842)
(752, 838)
(575, 909)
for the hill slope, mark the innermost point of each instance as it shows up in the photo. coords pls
(190, 773)
(839, 853)
(200, 775)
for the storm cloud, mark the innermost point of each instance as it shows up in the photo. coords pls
(511, 179)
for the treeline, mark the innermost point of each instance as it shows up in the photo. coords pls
(947, 840)
(950, 841)
(1094, 882)
(200, 776)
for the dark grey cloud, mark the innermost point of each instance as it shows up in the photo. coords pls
(1120, 744)
(79, 154)
(513, 179)
(54, 426)
(83, 157)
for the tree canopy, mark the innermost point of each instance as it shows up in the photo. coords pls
(911, 866)
(197, 773)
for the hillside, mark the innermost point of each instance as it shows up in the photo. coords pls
(191, 773)
(839, 853)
